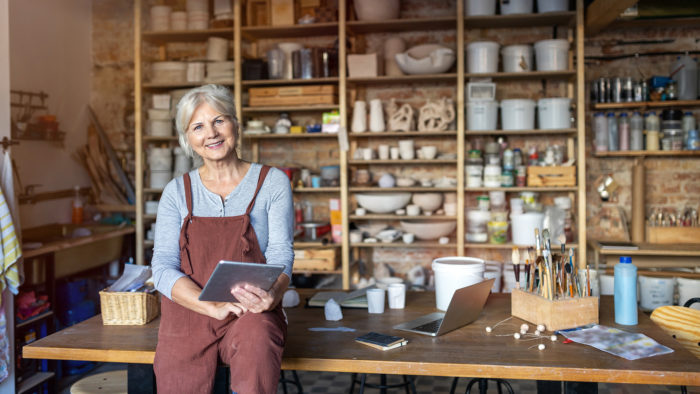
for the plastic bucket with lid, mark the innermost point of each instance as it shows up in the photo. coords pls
(482, 115)
(453, 273)
(509, 7)
(552, 6)
(517, 58)
(523, 227)
(493, 271)
(517, 114)
(482, 57)
(655, 292)
(553, 113)
(479, 7)
(552, 55)
(687, 289)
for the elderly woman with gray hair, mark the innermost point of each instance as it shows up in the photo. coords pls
(227, 209)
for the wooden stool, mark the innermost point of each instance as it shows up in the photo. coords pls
(114, 382)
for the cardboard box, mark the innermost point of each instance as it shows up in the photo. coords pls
(316, 259)
(282, 12)
(673, 235)
(364, 65)
(559, 314)
(293, 95)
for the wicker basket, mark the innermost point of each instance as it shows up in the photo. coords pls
(128, 308)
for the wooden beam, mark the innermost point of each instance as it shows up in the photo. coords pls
(601, 13)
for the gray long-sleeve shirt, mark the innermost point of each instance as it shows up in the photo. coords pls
(272, 218)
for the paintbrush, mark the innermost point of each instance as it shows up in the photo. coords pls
(530, 268)
(515, 258)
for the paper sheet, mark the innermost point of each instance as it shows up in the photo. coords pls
(631, 346)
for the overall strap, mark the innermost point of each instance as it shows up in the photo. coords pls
(188, 192)
(263, 173)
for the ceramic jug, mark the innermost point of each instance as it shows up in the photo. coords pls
(376, 115)
(359, 117)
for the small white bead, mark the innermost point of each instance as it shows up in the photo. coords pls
(523, 332)
(516, 335)
(488, 329)
(524, 327)
(537, 332)
(553, 338)
(541, 327)
(541, 346)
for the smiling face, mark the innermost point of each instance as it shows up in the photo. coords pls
(211, 134)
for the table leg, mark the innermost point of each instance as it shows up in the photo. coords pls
(141, 379)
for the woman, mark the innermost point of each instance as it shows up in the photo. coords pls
(227, 209)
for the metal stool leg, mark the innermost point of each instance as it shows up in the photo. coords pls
(362, 383)
(353, 378)
(454, 385)
(410, 383)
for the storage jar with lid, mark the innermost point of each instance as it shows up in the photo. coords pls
(636, 132)
(623, 129)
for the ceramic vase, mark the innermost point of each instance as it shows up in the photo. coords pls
(392, 46)
(376, 116)
(373, 10)
(359, 117)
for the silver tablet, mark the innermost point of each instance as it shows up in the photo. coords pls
(229, 274)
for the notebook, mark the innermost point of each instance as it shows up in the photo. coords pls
(466, 305)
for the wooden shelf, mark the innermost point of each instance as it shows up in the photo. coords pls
(401, 189)
(515, 189)
(521, 132)
(380, 134)
(648, 153)
(508, 246)
(405, 79)
(376, 216)
(152, 138)
(298, 108)
(648, 104)
(397, 25)
(403, 162)
(163, 37)
(182, 85)
(149, 217)
(520, 20)
(312, 272)
(327, 189)
(655, 22)
(525, 75)
(645, 249)
(282, 82)
(314, 245)
(400, 244)
(273, 136)
(148, 190)
(34, 380)
(34, 319)
(148, 243)
(291, 31)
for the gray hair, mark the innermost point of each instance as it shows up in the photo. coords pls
(217, 96)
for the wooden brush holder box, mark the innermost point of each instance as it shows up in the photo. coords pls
(558, 314)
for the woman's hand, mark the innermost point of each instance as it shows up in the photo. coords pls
(221, 310)
(257, 300)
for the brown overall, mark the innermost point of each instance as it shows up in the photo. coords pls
(190, 344)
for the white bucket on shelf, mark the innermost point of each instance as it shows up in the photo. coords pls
(482, 57)
(479, 7)
(607, 284)
(158, 179)
(552, 55)
(517, 58)
(509, 7)
(217, 49)
(482, 115)
(553, 113)
(523, 227)
(160, 17)
(159, 114)
(453, 273)
(552, 6)
(160, 159)
(517, 114)
(687, 289)
(160, 128)
(655, 292)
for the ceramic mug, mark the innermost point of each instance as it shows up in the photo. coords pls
(394, 153)
(412, 210)
(406, 149)
(383, 151)
(408, 238)
(429, 151)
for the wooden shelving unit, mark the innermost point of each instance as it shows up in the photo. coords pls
(273, 136)
(283, 82)
(522, 20)
(517, 189)
(253, 33)
(649, 153)
(402, 25)
(407, 134)
(403, 162)
(401, 189)
(299, 108)
(425, 78)
(377, 216)
(532, 132)
(647, 104)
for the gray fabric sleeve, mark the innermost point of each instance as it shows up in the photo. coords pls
(280, 222)
(166, 251)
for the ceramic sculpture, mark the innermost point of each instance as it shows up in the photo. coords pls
(400, 118)
(436, 115)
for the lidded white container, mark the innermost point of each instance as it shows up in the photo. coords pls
(482, 57)
(552, 55)
(553, 113)
(517, 58)
(517, 114)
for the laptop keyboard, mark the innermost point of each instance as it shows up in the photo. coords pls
(432, 326)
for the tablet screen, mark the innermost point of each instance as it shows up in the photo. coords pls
(228, 274)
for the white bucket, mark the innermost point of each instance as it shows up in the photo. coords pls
(517, 114)
(655, 292)
(687, 289)
(517, 58)
(159, 179)
(552, 6)
(482, 115)
(452, 273)
(217, 49)
(160, 17)
(493, 271)
(160, 128)
(509, 7)
(523, 227)
(552, 55)
(607, 284)
(159, 114)
(483, 57)
(553, 113)
(480, 7)
(160, 159)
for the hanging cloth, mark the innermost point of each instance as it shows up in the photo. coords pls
(10, 252)
(8, 188)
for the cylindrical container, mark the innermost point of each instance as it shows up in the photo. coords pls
(517, 114)
(474, 173)
(158, 179)
(623, 129)
(178, 20)
(603, 90)
(607, 284)
(636, 132)
(517, 58)
(687, 289)
(520, 176)
(479, 7)
(688, 122)
(655, 292)
(197, 5)
(510, 7)
(652, 140)
(685, 72)
(553, 113)
(482, 115)
(493, 271)
(626, 292)
(275, 63)
(613, 135)
(627, 90)
(160, 159)
(492, 175)
(160, 127)
(523, 227)
(692, 142)
(600, 125)
(197, 20)
(217, 49)
(195, 71)
(652, 122)
(638, 91)
(616, 90)
(452, 273)
(552, 6)
(552, 55)
(483, 57)
(160, 17)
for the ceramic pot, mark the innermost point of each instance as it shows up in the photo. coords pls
(392, 46)
(376, 115)
(372, 10)
(359, 117)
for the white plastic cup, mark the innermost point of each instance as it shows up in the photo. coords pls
(523, 227)
(517, 114)
(687, 289)
(375, 301)
(517, 58)
(453, 273)
(553, 113)
(655, 292)
(482, 57)
(482, 115)
(479, 7)
(397, 295)
(552, 55)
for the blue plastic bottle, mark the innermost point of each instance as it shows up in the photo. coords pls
(626, 292)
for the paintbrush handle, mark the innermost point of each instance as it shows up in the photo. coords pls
(516, 270)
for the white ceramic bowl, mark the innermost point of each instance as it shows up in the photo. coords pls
(428, 201)
(383, 202)
(429, 230)
(426, 59)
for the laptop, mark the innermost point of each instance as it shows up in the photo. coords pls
(466, 305)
